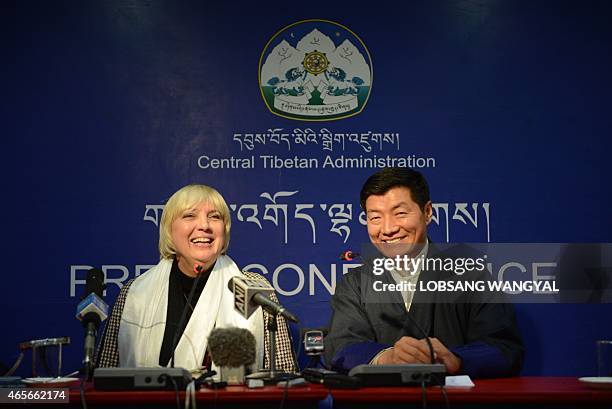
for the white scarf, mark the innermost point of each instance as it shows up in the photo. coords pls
(144, 318)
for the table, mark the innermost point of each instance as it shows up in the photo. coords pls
(229, 397)
(522, 392)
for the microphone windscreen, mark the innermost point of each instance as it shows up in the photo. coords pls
(231, 347)
(94, 283)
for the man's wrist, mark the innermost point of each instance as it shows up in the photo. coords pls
(452, 363)
(374, 360)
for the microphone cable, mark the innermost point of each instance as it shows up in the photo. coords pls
(166, 377)
(175, 341)
(294, 356)
(148, 327)
(445, 396)
(215, 395)
(82, 392)
(295, 362)
(423, 395)
(16, 364)
(190, 395)
(285, 394)
(402, 324)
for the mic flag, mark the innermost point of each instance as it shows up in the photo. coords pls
(250, 294)
(244, 289)
(313, 342)
(92, 304)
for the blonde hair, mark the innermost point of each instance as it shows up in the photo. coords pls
(186, 198)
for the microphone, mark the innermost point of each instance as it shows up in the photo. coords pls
(349, 255)
(231, 350)
(250, 294)
(91, 311)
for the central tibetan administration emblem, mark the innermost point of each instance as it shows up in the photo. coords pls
(315, 70)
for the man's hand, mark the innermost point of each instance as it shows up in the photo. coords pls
(446, 357)
(408, 350)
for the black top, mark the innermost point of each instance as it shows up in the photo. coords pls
(178, 292)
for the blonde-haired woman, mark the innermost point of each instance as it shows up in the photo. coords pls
(193, 239)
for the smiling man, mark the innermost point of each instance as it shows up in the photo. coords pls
(469, 335)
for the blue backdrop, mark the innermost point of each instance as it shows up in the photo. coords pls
(111, 106)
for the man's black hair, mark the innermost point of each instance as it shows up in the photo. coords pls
(386, 179)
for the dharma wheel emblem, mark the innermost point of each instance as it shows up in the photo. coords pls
(315, 62)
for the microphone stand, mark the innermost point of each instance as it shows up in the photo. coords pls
(272, 375)
(91, 331)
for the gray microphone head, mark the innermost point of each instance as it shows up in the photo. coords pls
(232, 347)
